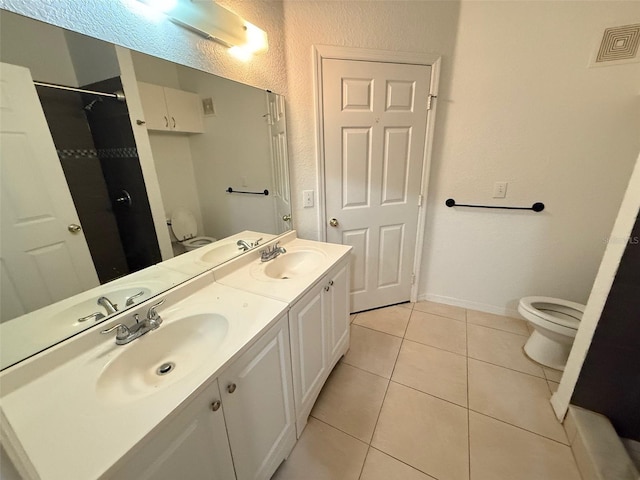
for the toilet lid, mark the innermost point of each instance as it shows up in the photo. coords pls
(561, 312)
(183, 224)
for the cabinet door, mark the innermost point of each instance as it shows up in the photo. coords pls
(308, 351)
(258, 405)
(337, 298)
(192, 446)
(154, 106)
(185, 111)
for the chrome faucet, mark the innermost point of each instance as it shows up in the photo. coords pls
(125, 334)
(244, 246)
(108, 306)
(271, 253)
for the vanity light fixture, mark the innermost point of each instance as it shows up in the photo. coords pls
(214, 22)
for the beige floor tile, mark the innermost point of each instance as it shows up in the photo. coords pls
(372, 351)
(508, 324)
(425, 432)
(437, 332)
(500, 451)
(379, 466)
(513, 397)
(457, 313)
(351, 401)
(352, 317)
(500, 348)
(406, 305)
(553, 386)
(552, 374)
(391, 320)
(323, 453)
(433, 371)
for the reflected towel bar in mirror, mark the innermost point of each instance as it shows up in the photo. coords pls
(536, 207)
(231, 190)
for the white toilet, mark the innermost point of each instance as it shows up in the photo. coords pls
(555, 322)
(185, 228)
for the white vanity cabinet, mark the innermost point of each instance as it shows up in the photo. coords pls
(171, 110)
(193, 445)
(247, 414)
(319, 326)
(257, 398)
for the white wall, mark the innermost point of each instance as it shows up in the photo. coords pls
(127, 23)
(233, 152)
(385, 25)
(517, 103)
(524, 108)
(22, 45)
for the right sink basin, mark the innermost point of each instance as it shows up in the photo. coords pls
(292, 264)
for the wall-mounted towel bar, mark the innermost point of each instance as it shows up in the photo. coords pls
(231, 190)
(536, 207)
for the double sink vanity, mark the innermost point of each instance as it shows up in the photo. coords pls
(219, 386)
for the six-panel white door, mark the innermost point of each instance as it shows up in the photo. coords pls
(375, 118)
(43, 251)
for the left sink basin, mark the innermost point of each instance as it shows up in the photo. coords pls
(161, 357)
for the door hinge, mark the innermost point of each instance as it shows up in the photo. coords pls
(430, 98)
(413, 278)
(420, 200)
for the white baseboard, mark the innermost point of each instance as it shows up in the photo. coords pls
(482, 307)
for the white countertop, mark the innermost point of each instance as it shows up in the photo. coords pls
(55, 418)
(65, 426)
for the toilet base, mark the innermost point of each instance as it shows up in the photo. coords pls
(550, 353)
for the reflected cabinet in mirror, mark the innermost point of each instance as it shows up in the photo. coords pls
(122, 176)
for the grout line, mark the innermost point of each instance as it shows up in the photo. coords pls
(380, 331)
(430, 394)
(340, 430)
(500, 329)
(466, 343)
(363, 370)
(365, 461)
(441, 316)
(522, 428)
(434, 346)
(403, 462)
(506, 368)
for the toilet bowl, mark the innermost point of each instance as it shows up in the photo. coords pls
(555, 323)
(185, 228)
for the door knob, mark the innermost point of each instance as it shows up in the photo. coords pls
(286, 218)
(333, 222)
(74, 228)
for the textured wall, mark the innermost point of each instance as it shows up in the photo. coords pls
(122, 22)
(525, 108)
(410, 26)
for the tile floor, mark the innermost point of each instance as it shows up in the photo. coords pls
(430, 391)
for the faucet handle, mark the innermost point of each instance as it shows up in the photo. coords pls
(122, 331)
(153, 315)
(255, 244)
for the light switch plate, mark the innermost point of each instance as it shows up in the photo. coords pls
(307, 198)
(500, 189)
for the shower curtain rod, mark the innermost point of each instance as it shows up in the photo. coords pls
(118, 95)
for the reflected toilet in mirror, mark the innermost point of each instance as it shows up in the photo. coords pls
(185, 229)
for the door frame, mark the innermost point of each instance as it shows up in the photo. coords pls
(321, 52)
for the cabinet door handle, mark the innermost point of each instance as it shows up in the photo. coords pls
(174, 122)
(231, 387)
(166, 121)
(331, 283)
(326, 289)
(215, 406)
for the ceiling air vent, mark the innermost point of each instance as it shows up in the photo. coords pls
(619, 45)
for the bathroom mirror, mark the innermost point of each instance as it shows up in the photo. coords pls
(100, 192)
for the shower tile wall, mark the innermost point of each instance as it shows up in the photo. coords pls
(609, 382)
(111, 129)
(77, 153)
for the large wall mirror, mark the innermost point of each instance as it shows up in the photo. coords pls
(122, 176)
